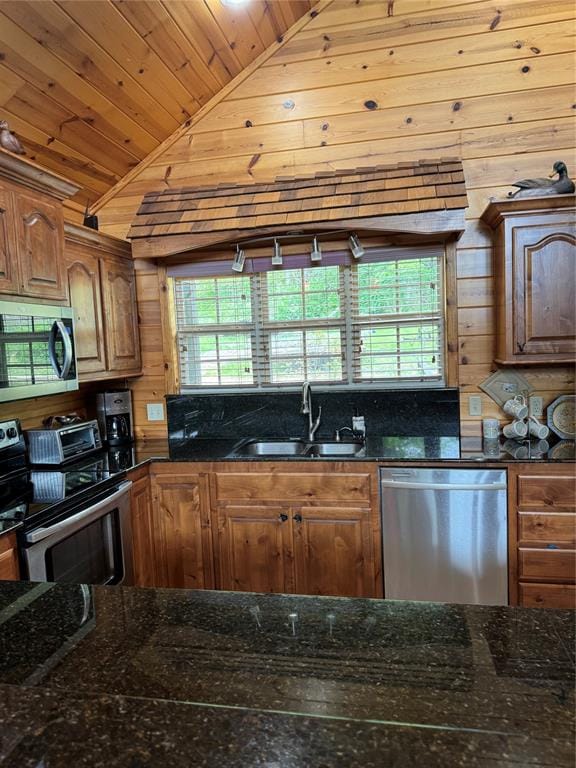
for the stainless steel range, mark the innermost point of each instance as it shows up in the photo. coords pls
(74, 522)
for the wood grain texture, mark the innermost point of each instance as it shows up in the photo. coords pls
(330, 198)
(92, 88)
(9, 567)
(493, 86)
(541, 534)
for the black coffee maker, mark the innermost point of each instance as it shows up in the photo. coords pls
(114, 411)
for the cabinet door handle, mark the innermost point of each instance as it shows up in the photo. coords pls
(298, 518)
(282, 517)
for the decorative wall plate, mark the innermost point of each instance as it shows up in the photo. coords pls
(504, 385)
(561, 416)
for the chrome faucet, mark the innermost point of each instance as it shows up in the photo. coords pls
(307, 409)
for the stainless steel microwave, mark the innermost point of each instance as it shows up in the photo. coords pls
(37, 352)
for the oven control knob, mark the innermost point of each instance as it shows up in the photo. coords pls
(2, 434)
(12, 432)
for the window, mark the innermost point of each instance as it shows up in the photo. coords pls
(375, 321)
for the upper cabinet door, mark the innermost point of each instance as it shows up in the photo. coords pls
(84, 286)
(40, 240)
(121, 321)
(8, 262)
(544, 264)
(534, 279)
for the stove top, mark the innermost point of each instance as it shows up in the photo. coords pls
(40, 493)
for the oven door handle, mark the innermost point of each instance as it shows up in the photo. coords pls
(95, 511)
(59, 327)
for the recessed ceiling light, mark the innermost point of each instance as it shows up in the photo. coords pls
(233, 2)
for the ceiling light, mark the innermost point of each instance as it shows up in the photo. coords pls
(233, 2)
(315, 253)
(277, 257)
(239, 259)
(356, 247)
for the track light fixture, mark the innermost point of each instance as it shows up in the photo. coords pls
(277, 256)
(239, 259)
(356, 247)
(315, 253)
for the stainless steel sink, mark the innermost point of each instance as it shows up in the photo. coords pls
(334, 448)
(271, 448)
(297, 447)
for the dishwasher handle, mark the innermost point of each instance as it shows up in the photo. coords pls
(444, 486)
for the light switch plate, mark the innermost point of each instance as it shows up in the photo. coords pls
(155, 411)
(474, 405)
(536, 406)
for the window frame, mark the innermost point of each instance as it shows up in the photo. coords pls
(349, 330)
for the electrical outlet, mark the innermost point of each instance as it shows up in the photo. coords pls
(155, 411)
(474, 405)
(536, 406)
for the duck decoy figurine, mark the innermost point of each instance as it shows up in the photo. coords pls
(9, 141)
(537, 187)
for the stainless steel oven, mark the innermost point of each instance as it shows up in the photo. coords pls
(90, 543)
(37, 354)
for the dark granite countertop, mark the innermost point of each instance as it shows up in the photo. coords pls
(132, 677)
(452, 450)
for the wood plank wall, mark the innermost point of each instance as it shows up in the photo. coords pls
(370, 83)
(31, 412)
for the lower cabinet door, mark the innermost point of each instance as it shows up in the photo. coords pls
(255, 548)
(9, 569)
(333, 551)
(181, 531)
(142, 534)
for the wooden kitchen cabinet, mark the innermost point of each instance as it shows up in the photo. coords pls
(255, 548)
(83, 271)
(102, 289)
(121, 318)
(9, 282)
(297, 528)
(535, 279)
(40, 245)
(181, 529)
(542, 524)
(9, 568)
(143, 549)
(333, 551)
(32, 230)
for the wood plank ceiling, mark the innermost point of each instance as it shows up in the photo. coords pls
(92, 87)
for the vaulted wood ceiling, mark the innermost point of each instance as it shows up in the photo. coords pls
(92, 87)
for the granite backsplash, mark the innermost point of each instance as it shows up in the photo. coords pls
(386, 413)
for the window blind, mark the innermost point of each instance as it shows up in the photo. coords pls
(379, 320)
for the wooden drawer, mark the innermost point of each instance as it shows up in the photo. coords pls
(548, 595)
(285, 486)
(540, 527)
(545, 491)
(547, 564)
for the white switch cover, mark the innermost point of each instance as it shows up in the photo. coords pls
(475, 405)
(535, 406)
(155, 411)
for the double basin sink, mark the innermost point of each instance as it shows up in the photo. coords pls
(297, 448)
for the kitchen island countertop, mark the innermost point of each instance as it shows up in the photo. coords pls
(154, 677)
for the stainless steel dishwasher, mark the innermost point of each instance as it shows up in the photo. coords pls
(445, 535)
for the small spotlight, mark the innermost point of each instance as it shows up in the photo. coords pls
(277, 256)
(315, 253)
(239, 259)
(356, 247)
